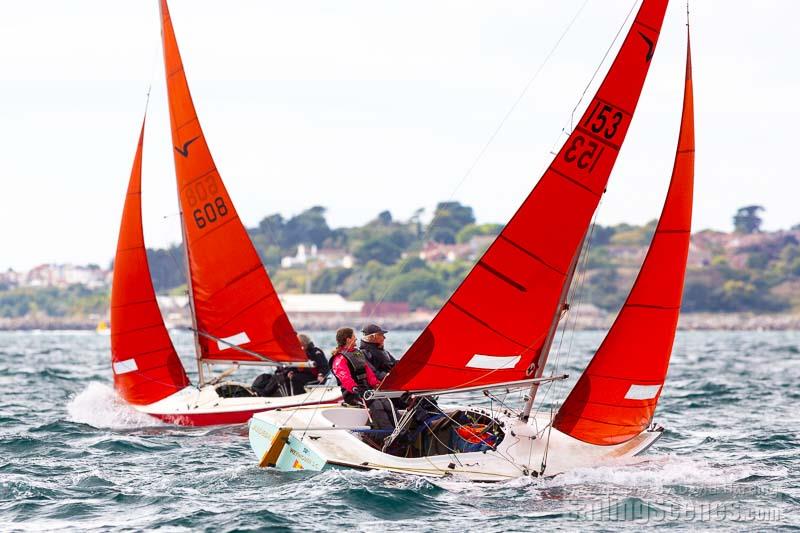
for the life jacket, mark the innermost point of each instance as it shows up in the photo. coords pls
(358, 366)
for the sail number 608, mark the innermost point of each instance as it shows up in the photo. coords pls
(210, 212)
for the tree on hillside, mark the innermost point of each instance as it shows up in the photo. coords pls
(601, 235)
(309, 227)
(379, 249)
(416, 220)
(473, 230)
(746, 219)
(272, 229)
(167, 267)
(385, 217)
(448, 219)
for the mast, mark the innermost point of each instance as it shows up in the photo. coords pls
(198, 351)
(498, 324)
(197, 348)
(236, 312)
(616, 396)
(551, 333)
(145, 365)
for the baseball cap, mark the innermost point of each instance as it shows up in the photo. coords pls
(373, 328)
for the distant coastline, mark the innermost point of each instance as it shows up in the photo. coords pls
(596, 320)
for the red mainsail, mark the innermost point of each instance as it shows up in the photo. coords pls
(234, 301)
(616, 396)
(146, 367)
(493, 327)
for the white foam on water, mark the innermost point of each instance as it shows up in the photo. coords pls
(98, 405)
(654, 471)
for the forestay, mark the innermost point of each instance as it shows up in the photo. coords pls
(234, 302)
(146, 367)
(615, 398)
(492, 329)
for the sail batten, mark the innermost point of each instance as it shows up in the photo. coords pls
(146, 366)
(232, 296)
(615, 398)
(506, 304)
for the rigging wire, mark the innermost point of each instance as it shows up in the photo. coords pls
(576, 289)
(605, 56)
(491, 138)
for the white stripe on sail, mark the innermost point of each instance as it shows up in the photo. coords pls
(493, 362)
(642, 392)
(123, 367)
(240, 338)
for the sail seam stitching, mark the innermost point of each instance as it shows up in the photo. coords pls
(193, 119)
(640, 23)
(192, 181)
(138, 302)
(134, 330)
(529, 253)
(573, 180)
(628, 379)
(242, 311)
(487, 325)
(130, 248)
(148, 352)
(503, 277)
(609, 423)
(603, 100)
(236, 279)
(213, 230)
(597, 138)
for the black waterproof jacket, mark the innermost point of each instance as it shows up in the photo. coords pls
(379, 358)
(318, 357)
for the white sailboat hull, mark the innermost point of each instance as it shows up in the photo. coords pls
(315, 443)
(203, 407)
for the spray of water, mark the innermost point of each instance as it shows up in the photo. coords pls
(98, 405)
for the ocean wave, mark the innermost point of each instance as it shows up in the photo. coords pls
(99, 406)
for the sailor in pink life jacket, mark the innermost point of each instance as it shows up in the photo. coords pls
(356, 377)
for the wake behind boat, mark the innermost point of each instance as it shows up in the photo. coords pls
(236, 314)
(496, 331)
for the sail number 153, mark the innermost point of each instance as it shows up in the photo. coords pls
(583, 152)
(604, 120)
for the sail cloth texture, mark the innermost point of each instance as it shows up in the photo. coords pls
(614, 399)
(502, 311)
(146, 367)
(234, 299)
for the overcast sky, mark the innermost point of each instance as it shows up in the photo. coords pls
(362, 106)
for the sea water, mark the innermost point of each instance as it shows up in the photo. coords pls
(73, 457)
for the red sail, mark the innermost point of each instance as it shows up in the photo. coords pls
(492, 328)
(615, 398)
(146, 367)
(234, 300)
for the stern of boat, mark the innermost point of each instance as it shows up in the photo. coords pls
(278, 447)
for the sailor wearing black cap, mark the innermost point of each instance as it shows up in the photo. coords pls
(371, 345)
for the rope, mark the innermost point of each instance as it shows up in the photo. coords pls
(589, 83)
(572, 293)
(493, 135)
(501, 455)
(605, 55)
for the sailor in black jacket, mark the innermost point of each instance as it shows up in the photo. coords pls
(372, 346)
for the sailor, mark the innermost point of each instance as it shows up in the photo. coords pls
(356, 377)
(372, 344)
(300, 377)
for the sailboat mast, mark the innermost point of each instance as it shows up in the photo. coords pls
(197, 349)
(551, 333)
